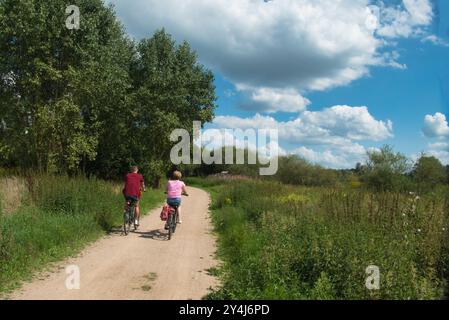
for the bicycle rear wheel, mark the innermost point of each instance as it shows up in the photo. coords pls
(175, 221)
(126, 225)
(171, 220)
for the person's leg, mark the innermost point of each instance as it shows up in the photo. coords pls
(179, 214)
(137, 214)
(126, 204)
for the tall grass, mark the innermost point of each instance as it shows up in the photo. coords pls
(283, 242)
(58, 216)
(12, 191)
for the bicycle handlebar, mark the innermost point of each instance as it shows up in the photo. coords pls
(184, 194)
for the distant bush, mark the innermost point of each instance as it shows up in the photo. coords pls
(428, 173)
(298, 171)
(386, 170)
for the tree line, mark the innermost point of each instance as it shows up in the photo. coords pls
(92, 99)
(384, 170)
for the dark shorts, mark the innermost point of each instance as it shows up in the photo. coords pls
(132, 198)
(174, 202)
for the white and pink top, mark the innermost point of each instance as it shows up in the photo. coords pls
(174, 189)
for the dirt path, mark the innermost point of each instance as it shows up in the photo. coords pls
(143, 265)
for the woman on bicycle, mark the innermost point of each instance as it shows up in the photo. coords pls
(176, 188)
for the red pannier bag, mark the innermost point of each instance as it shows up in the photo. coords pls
(165, 212)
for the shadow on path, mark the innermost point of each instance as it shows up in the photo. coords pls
(157, 234)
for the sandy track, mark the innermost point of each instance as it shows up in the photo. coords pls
(143, 265)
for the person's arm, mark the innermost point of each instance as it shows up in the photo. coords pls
(184, 190)
(142, 184)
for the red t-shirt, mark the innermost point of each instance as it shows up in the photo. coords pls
(132, 184)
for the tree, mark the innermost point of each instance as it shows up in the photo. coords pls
(170, 91)
(428, 172)
(91, 99)
(59, 84)
(385, 170)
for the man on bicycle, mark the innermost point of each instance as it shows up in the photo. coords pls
(134, 185)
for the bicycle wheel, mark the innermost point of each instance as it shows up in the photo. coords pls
(169, 227)
(175, 221)
(125, 222)
(171, 219)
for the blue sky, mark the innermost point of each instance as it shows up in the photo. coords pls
(336, 79)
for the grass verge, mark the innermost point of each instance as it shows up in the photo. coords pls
(57, 218)
(285, 242)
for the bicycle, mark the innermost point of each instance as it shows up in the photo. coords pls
(173, 219)
(129, 216)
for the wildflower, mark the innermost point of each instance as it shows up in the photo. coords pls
(419, 230)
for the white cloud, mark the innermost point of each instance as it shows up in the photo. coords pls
(435, 40)
(436, 125)
(280, 49)
(327, 137)
(218, 138)
(440, 150)
(354, 123)
(405, 21)
(275, 44)
(442, 146)
(338, 158)
(330, 126)
(275, 100)
(420, 11)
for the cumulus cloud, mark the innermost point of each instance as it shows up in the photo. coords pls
(404, 21)
(275, 100)
(420, 11)
(329, 137)
(215, 139)
(276, 51)
(436, 126)
(259, 44)
(440, 150)
(333, 125)
(341, 157)
(355, 123)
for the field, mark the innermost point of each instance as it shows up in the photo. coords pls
(284, 242)
(46, 218)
